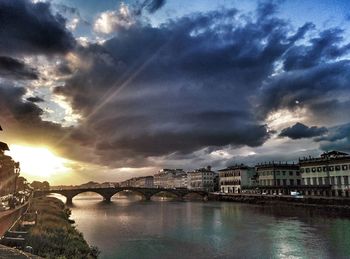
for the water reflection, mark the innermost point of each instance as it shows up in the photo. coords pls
(127, 228)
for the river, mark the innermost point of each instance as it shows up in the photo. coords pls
(167, 229)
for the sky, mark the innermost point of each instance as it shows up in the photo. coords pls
(109, 90)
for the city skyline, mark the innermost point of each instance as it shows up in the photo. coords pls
(114, 90)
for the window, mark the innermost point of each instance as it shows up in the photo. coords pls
(332, 180)
(325, 169)
(284, 182)
(291, 173)
(302, 170)
(313, 169)
(308, 180)
(338, 180)
(298, 182)
(331, 168)
(307, 170)
(291, 181)
(345, 167)
(284, 172)
(346, 180)
(320, 181)
(297, 173)
(337, 168)
(277, 172)
(319, 169)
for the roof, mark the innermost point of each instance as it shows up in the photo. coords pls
(4, 146)
(334, 153)
(234, 167)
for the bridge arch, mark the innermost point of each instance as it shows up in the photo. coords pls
(90, 191)
(170, 192)
(138, 192)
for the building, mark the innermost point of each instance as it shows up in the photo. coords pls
(165, 178)
(201, 179)
(144, 182)
(128, 183)
(180, 180)
(278, 177)
(329, 173)
(235, 178)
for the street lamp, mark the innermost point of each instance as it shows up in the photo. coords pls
(17, 170)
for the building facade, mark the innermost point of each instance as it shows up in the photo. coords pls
(165, 178)
(331, 171)
(180, 180)
(201, 179)
(144, 182)
(234, 178)
(279, 178)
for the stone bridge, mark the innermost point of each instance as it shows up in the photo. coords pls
(107, 193)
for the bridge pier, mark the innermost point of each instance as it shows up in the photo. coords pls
(69, 200)
(147, 197)
(107, 198)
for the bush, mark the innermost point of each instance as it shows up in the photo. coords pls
(54, 236)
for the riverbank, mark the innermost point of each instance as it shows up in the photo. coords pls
(7, 252)
(54, 235)
(331, 204)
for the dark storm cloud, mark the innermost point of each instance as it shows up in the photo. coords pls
(35, 99)
(299, 130)
(149, 5)
(308, 88)
(201, 82)
(16, 69)
(315, 74)
(187, 88)
(338, 138)
(31, 28)
(23, 122)
(322, 49)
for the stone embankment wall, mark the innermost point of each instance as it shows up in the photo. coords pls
(8, 218)
(333, 203)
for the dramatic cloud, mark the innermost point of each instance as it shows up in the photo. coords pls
(31, 28)
(300, 130)
(111, 21)
(189, 87)
(35, 99)
(316, 74)
(150, 5)
(338, 138)
(15, 69)
(185, 90)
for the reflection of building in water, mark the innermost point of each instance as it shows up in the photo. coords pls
(330, 169)
(9, 171)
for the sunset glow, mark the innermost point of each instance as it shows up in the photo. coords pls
(38, 162)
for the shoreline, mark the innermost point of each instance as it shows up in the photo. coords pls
(55, 234)
(331, 205)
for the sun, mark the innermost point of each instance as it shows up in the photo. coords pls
(38, 162)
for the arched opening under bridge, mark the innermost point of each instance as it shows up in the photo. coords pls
(128, 196)
(165, 196)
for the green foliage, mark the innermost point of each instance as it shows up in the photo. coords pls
(54, 236)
